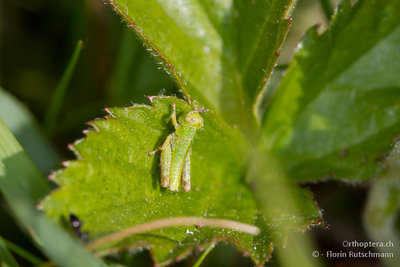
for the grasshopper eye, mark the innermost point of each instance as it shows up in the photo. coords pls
(194, 119)
(190, 119)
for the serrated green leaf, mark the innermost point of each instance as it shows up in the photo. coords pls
(219, 52)
(381, 216)
(115, 185)
(337, 109)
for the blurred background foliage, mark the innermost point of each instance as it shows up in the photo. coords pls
(37, 40)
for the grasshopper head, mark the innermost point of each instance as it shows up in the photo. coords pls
(192, 119)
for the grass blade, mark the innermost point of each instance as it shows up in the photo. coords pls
(22, 252)
(25, 128)
(5, 255)
(58, 97)
(22, 186)
(204, 255)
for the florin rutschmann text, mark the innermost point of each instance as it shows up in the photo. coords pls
(358, 254)
(349, 253)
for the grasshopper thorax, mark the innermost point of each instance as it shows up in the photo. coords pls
(192, 119)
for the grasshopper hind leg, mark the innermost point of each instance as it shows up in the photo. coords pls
(166, 155)
(165, 161)
(186, 183)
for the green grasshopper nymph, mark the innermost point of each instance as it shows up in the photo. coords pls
(177, 149)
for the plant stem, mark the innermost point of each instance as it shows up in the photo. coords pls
(204, 255)
(176, 221)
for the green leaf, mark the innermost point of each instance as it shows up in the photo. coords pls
(114, 188)
(381, 216)
(218, 51)
(26, 129)
(22, 186)
(337, 109)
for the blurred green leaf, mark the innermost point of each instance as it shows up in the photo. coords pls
(337, 109)
(115, 185)
(22, 186)
(25, 128)
(218, 51)
(382, 212)
(298, 252)
(6, 258)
